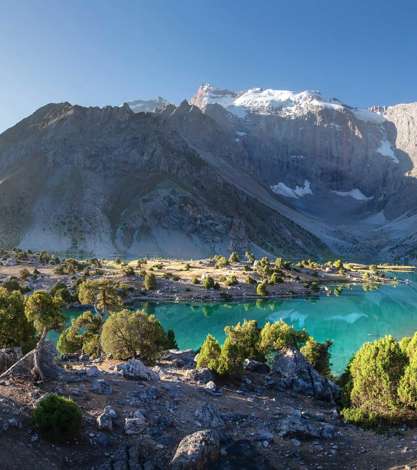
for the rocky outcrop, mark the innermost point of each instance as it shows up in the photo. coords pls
(134, 369)
(292, 371)
(197, 451)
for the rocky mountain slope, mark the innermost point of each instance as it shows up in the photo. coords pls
(274, 171)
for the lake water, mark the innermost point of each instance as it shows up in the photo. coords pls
(349, 320)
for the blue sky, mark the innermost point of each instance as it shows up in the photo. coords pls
(98, 52)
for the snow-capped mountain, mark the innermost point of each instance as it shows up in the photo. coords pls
(275, 171)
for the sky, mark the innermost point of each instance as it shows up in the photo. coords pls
(102, 52)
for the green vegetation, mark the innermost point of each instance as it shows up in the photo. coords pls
(102, 294)
(208, 282)
(57, 418)
(15, 328)
(247, 341)
(150, 281)
(83, 335)
(128, 334)
(261, 289)
(234, 257)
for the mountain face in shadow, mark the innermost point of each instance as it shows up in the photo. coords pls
(266, 170)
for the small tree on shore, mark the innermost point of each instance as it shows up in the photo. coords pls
(101, 294)
(44, 311)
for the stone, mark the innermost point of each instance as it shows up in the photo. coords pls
(208, 416)
(294, 426)
(105, 422)
(199, 450)
(93, 372)
(292, 371)
(101, 387)
(200, 375)
(108, 410)
(134, 369)
(256, 366)
(181, 358)
(136, 424)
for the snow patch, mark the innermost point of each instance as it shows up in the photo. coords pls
(298, 191)
(355, 194)
(368, 116)
(385, 149)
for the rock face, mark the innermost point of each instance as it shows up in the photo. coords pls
(291, 371)
(197, 451)
(268, 170)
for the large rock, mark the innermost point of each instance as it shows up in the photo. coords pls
(208, 416)
(292, 371)
(181, 358)
(8, 357)
(135, 369)
(201, 375)
(302, 428)
(136, 424)
(23, 367)
(197, 451)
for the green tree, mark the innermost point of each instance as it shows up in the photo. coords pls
(83, 335)
(129, 334)
(318, 355)
(261, 289)
(44, 311)
(376, 371)
(102, 294)
(15, 328)
(150, 281)
(209, 354)
(278, 335)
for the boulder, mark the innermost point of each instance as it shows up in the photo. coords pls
(197, 451)
(201, 375)
(105, 422)
(23, 367)
(180, 358)
(101, 387)
(256, 366)
(134, 369)
(208, 416)
(292, 371)
(295, 426)
(136, 424)
(93, 372)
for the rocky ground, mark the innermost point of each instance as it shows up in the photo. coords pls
(176, 416)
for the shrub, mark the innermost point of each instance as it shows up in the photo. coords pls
(15, 328)
(231, 281)
(221, 262)
(234, 258)
(11, 284)
(128, 271)
(275, 279)
(208, 282)
(171, 342)
(209, 354)
(261, 289)
(250, 257)
(57, 418)
(318, 355)
(246, 336)
(407, 388)
(195, 280)
(359, 417)
(278, 335)
(24, 274)
(150, 281)
(376, 372)
(250, 280)
(230, 361)
(129, 334)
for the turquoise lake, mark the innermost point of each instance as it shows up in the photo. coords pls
(354, 317)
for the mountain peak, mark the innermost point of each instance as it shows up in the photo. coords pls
(147, 106)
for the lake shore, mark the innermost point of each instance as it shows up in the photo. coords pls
(185, 280)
